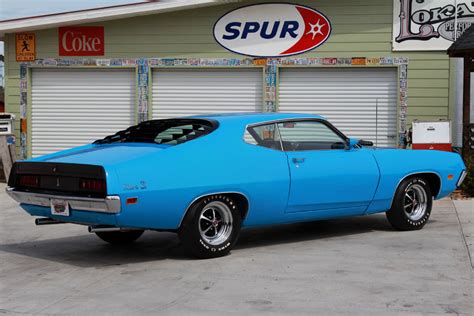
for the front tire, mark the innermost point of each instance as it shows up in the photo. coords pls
(211, 227)
(120, 237)
(411, 207)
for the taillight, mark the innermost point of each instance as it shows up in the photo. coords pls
(28, 181)
(92, 185)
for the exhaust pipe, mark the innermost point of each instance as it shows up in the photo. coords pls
(103, 229)
(47, 221)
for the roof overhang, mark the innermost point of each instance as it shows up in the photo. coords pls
(461, 53)
(464, 44)
(101, 14)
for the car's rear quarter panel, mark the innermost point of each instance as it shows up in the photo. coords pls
(219, 162)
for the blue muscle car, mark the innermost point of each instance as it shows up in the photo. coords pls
(206, 177)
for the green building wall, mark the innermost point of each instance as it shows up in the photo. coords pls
(360, 29)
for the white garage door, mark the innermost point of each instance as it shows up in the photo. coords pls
(75, 107)
(362, 103)
(190, 92)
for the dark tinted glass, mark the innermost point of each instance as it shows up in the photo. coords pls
(167, 132)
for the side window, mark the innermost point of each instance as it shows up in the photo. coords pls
(309, 135)
(264, 136)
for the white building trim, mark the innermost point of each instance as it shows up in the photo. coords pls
(100, 14)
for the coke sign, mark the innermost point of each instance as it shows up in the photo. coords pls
(81, 41)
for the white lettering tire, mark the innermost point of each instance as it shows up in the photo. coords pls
(211, 227)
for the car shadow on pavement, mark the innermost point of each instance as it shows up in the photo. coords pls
(89, 251)
(293, 233)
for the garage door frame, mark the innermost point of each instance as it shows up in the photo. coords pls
(396, 67)
(198, 68)
(29, 94)
(143, 71)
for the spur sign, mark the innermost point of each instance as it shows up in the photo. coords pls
(272, 30)
(430, 24)
(81, 41)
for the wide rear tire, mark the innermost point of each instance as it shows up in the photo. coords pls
(411, 206)
(211, 227)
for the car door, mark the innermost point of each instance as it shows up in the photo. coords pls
(325, 175)
(265, 175)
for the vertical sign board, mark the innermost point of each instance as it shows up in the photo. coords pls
(81, 41)
(424, 25)
(25, 47)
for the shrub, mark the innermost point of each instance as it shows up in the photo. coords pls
(468, 185)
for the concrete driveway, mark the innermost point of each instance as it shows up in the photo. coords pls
(350, 266)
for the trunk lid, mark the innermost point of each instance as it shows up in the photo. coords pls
(105, 154)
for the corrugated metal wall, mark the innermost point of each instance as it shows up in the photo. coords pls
(75, 107)
(361, 102)
(190, 92)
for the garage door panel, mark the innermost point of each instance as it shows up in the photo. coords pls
(193, 92)
(330, 74)
(362, 103)
(75, 107)
(220, 104)
(191, 111)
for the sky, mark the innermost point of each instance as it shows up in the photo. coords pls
(13, 9)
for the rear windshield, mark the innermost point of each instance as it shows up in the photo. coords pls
(165, 132)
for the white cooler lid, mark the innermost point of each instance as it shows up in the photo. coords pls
(431, 132)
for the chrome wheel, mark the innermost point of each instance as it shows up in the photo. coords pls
(215, 223)
(415, 202)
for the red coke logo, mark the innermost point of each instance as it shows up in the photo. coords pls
(81, 41)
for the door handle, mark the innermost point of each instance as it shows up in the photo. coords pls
(298, 160)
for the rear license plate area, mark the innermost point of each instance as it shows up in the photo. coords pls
(60, 207)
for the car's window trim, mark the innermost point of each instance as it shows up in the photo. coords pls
(258, 139)
(324, 122)
(254, 134)
(298, 119)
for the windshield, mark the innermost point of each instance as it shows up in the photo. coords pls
(166, 132)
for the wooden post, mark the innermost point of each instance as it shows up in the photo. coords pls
(7, 154)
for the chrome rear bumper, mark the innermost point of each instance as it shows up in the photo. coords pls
(109, 204)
